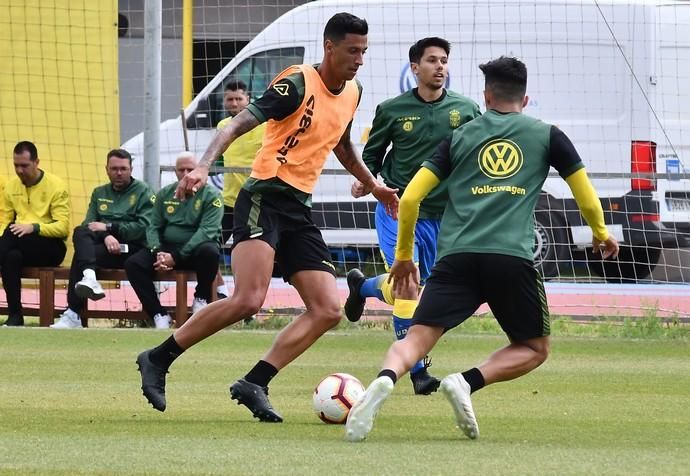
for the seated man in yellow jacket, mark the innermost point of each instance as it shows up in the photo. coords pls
(34, 224)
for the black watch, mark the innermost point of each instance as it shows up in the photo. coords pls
(108, 227)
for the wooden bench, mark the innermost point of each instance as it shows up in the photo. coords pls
(47, 277)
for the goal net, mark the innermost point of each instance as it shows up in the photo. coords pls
(613, 75)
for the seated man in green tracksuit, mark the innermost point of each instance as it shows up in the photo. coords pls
(182, 235)
(115, 226)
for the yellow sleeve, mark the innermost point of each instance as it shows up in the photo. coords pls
(5, 211)
(419, 187)
(588, 202)
(60, 210)
(223, 123)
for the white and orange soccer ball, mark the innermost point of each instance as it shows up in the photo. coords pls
(335, 395)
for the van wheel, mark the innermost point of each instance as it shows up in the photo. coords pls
(551, 244)
(634, 263)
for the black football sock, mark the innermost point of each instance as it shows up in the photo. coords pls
(261, 374)
(475, 378)
(166, 353)
(388, 373)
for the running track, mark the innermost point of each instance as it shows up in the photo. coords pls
(565, 299)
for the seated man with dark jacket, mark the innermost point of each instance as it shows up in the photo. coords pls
(115, 227)
(182, 235)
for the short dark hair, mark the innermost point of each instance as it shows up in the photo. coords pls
(235, 85)
(506, 77)
(343, 23)
(26, 146)
(120, 154)
(417, 50)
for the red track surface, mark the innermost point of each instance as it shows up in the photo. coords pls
(576, 300)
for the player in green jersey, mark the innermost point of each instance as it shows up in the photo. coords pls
(413, 124)
(495, 167)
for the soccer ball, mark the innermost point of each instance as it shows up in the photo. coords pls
(335, 395)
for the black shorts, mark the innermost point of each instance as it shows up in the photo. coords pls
(460, 283)
(285, 223)
(227, 223)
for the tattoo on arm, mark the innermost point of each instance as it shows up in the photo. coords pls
(346, 154)
(345, 151)
(242, 123)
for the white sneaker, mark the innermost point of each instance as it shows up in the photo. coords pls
(360, 421)
(162, 321)
(222, 291)
(68, 320)
(89, 288)
(198, 305)
(457, 391)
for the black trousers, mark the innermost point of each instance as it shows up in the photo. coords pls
(90, 252)
(29, 250)
(140, 272)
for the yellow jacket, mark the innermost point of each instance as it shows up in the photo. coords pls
(3, 181)
(45, 204)
(241, 153)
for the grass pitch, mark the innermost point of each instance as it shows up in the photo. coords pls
(70, 403)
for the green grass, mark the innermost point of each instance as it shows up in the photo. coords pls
(70, 404)
(648, 326)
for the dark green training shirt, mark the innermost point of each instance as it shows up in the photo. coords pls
(183, 225)
(414, 127)
(495, 167)
(128, 210)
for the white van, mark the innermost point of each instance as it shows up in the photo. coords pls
(615, 76)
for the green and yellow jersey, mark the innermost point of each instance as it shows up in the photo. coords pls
(184, 225)
(414, 128)
(495, 167)
(129, 210)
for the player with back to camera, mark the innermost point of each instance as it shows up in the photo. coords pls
(309, 110)
(495, 167)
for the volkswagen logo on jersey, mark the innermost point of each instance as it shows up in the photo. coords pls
(500, 159)
(408, 80)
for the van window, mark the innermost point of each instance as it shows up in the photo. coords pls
(256, 72)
